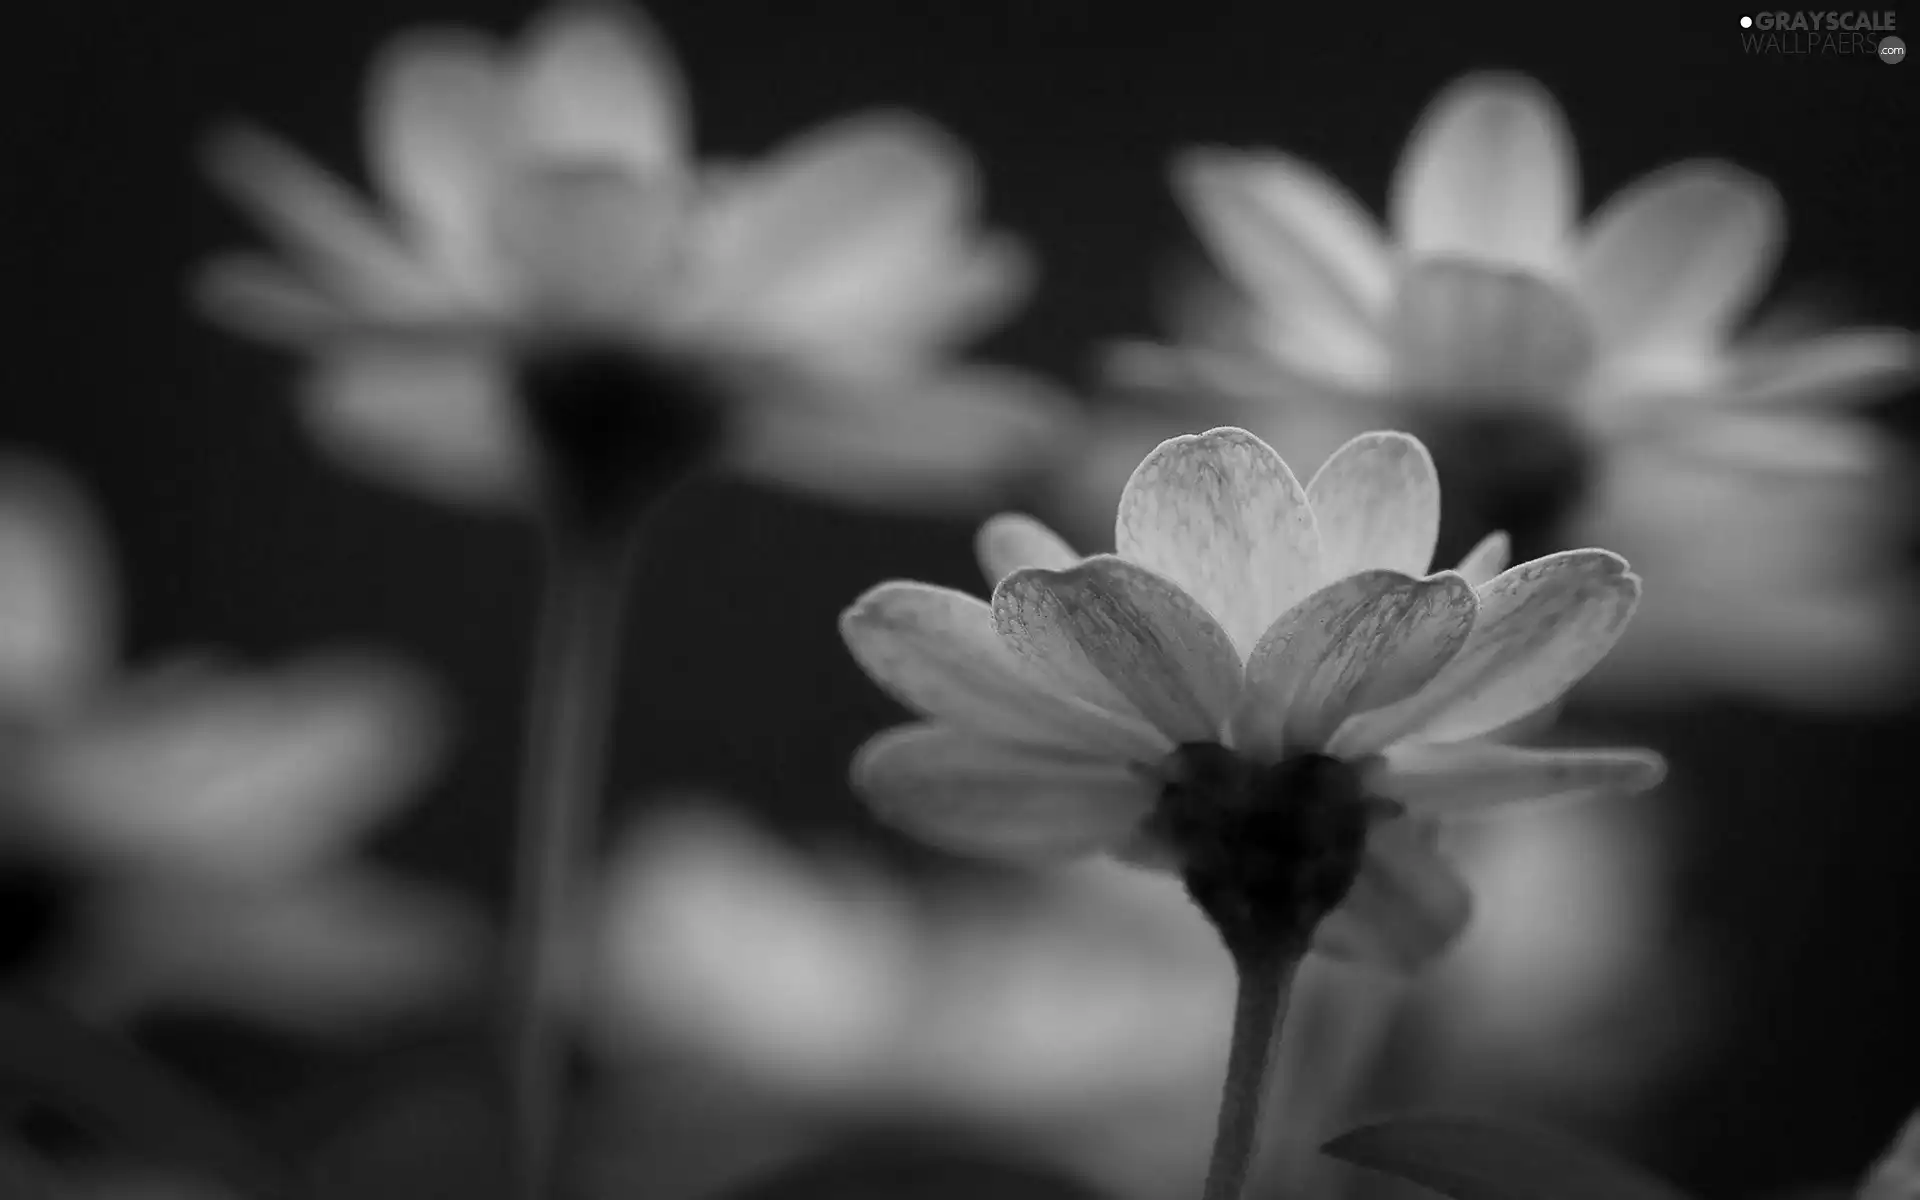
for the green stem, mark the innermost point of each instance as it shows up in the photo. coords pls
(575, 665)
(1264, 973)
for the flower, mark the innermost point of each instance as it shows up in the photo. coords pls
(208, 811)
(550, 244)
(1258, 662)
(1579, 385)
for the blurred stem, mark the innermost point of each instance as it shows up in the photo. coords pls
(576, 657)
(1264, 969)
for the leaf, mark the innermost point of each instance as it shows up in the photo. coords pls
(51, 1058)
(1472, 1158)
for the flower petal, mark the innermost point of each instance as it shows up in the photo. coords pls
(1489, 556)
(1488, 174)
(1468, 334)
(937, 441)
(1123, 638)
(435, 418)
(58, 615)
(973, 795)
(439, 125)
(1406, 907)
(1220, 514)
(1542, 626)
(1288, 232)
(1376, 503)
(239, 779)
(935, 650)
(349, 249)
(1842, 367)
(264, 298)
(600, 82)
(1679, 256)
(1010, 541)
(1365, 641)
(855, 232)
(1444, 781)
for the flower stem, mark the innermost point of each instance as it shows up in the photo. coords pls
(570, 703)
(1264, 970)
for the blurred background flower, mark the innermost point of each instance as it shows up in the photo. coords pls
(555, 267)
(1579, 385)
(207, 811)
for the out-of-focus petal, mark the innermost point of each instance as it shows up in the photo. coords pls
(440, 126)
(1010, 541)
(936, 651)
(1897, 1175)
(1542, 626)
(1489, 556)
(1376, 503)
(1837, 367)
(1407, 905)
(58, 613)
(432, 417)
(1464, 777)
(349, 249)
(1467, 334)
(940, 441)
(1365, 641)
(853, 230)
(714, 938)
(977, 796)
(263, 298)
(1120, 636)
(1679, 256)
(1221, 515)
(1288, 233)
(322, 953)
(1489, 174)
(598, 82)
(237, 778)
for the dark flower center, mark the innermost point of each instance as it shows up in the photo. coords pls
(1266, 851)
(1524, 471)
(36, 914)
(613, 425)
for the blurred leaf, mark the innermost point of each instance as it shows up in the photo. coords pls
(50, 1058)
(1471, 1158)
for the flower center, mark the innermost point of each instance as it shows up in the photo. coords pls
(1266, 851)
(1525, 472)
(1487, 361)
(613, 424)
(36, 910)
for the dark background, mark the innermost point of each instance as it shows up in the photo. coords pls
(232, 532)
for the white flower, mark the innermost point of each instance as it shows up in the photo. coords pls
(1247, 624)
(1580, 384)
(211, 812)
(546, 229)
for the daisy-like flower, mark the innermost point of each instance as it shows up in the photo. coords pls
(208, 813)
(1264, 689)
(1579, 384)
(560, 297)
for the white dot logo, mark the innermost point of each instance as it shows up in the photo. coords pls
(1746, 22)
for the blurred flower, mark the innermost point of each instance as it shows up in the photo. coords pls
(211, 810)
(551, 243)
(1248, 627)
(1570, 992)
(1897, 1175)
(1579, 386)
(1074, 1014)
